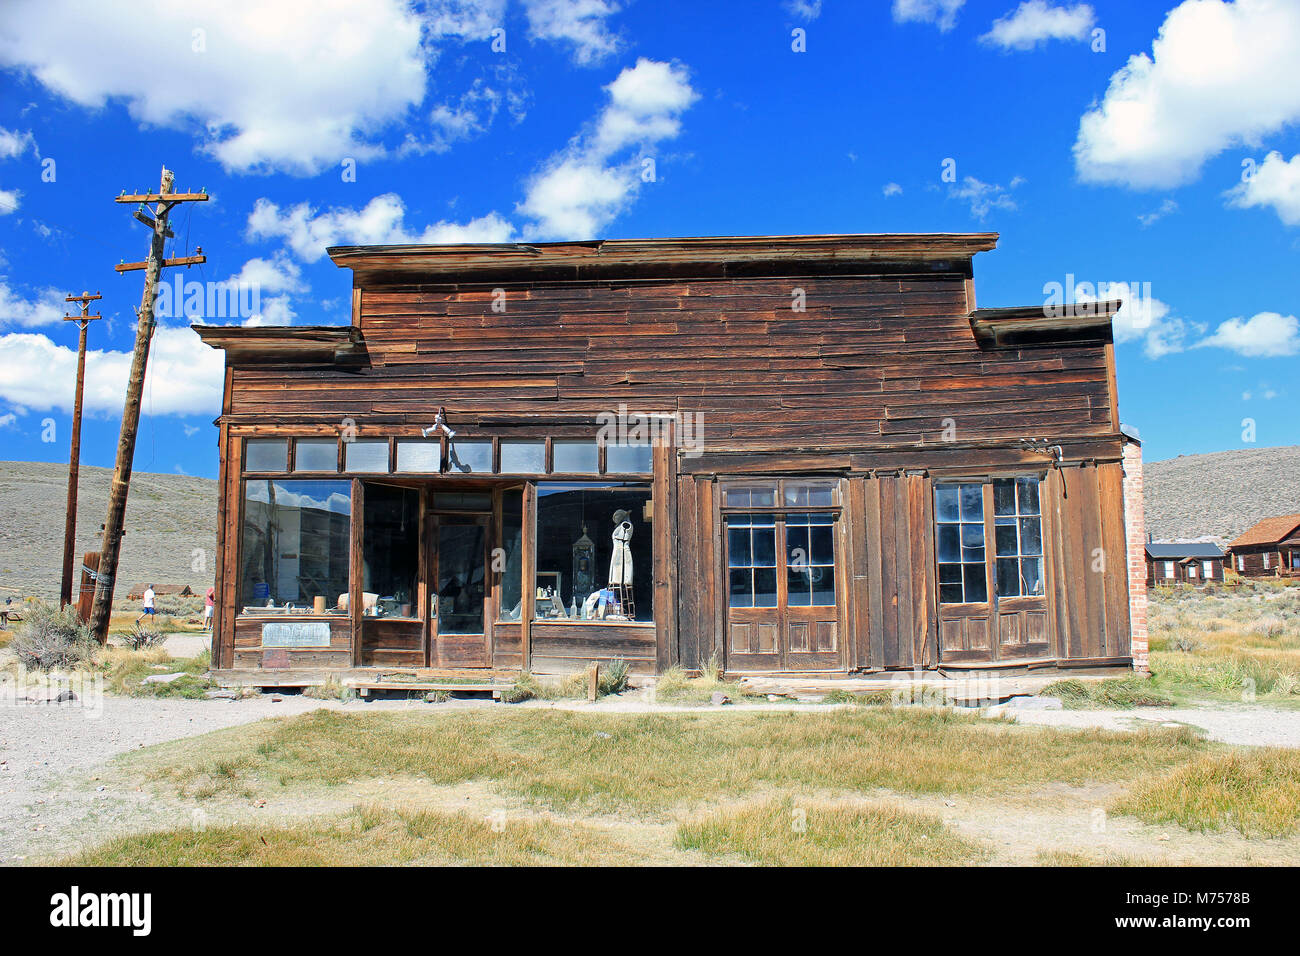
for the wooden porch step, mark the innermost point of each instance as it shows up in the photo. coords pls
(364, 687)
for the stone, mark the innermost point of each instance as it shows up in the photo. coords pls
(719, 698)
(163, 678)
(220, 695)
(1035, 703)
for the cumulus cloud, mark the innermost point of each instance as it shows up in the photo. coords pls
(1035, 22)
(17, 310)
(984, 197)
(942, 13)
(580, 189)
(1275, 183)
(184, 376)
(13, 144)
(1264, 335)
(1142, 317)
(804, 9)
(308, 231)
(1219, 74)
(339, 71)
(580, 24)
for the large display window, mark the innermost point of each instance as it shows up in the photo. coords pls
(295, 546)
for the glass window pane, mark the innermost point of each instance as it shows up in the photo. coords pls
(629, 459)
(470, 456)
(798, 585)
(741, 588)
(366, 455)
(316, 454)
(945, 503)
(1027, 494)
(950, 593)
(736, 497)
(1031, 536)
(462, 501)
(823, 545)
(737, 547)
(949, 542)
(796, 546)
(950, 573)
(804, 494)
(523, 457)
(972, 502)
(976, 587)
(1008, 577)
(295, 544)
(391, 550)
(765, 587)
(1004, 496)
(462, 572)
(1005, 536)
(594, 547)
(824, 586)
(1031, 572)
(266, 454)
(972, 536)
(765, 547)
(574, 458)
(512, 541)
(419, 455)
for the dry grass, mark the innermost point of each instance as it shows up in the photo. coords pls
(1075, 858)
(788, 833)
(1256, 792)
(125, 669)
(1122, 693)
(657, 761)
(367, 836)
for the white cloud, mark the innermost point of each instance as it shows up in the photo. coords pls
(9, 201)
(15, 310)
(381, 221)
(1036, 21)
(296, 85)
(470, 19)
(13, 144)
(1264, 335)
(1142, 317)
(1219, 74)
(804, 9)
(579, 23)
(942, 13)
(1276, 183)
(184, 376)
(580, 189)
(892, 189)
(7, 419)
(984, 197)
(1168, 207)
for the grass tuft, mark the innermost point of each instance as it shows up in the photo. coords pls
(1121, 693)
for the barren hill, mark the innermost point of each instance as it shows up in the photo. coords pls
(170, 521)
(1221, 494)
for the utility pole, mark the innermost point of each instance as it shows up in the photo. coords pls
(163, 200)
(74, 458)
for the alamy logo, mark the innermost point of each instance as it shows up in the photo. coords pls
(74, 909)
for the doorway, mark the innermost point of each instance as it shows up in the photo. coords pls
(460, 589)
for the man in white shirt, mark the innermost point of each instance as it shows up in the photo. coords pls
(147, 604)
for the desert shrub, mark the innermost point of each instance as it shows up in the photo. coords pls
(1185, 643)
(52, 637)
(613, 677)
(142, 637)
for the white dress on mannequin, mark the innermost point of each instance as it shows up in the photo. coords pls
(620, 563)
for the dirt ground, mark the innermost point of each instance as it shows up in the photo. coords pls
(61, 792)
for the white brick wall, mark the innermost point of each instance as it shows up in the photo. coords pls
(1135, 536)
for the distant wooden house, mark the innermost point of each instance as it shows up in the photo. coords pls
(1268, 548)
(1183, 562)
(172, 590)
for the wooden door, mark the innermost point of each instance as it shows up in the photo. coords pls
(459, 590)
(782, 611)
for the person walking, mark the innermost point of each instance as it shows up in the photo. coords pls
(147, 609)
(209, 602)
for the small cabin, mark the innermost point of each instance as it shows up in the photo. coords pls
(1183, 562)
(808, 455)
(1269, 548)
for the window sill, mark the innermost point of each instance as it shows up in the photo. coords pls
(577, 622)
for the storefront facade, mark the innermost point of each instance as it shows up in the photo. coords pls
(805, 455)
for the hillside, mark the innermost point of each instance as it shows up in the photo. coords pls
(168, 518)
(1221, 494)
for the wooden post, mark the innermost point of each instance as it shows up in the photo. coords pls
(593, 681)
(74, 456)
(164, 199)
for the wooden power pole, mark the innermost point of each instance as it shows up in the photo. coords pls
(162, 201)
(74, 458)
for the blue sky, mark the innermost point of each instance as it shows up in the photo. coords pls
(1162, 150)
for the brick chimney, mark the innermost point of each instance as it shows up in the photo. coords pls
(1136, 537)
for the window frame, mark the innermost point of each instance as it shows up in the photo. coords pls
(992, 599)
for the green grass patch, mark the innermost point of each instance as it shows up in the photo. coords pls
(656, 761)
(785, 833)
(1256, 792)
(364, 837)
(125, 671)
(1121, 693)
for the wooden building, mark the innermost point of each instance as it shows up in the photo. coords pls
(807, 454)
(1269, 548)
(1183, 562)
